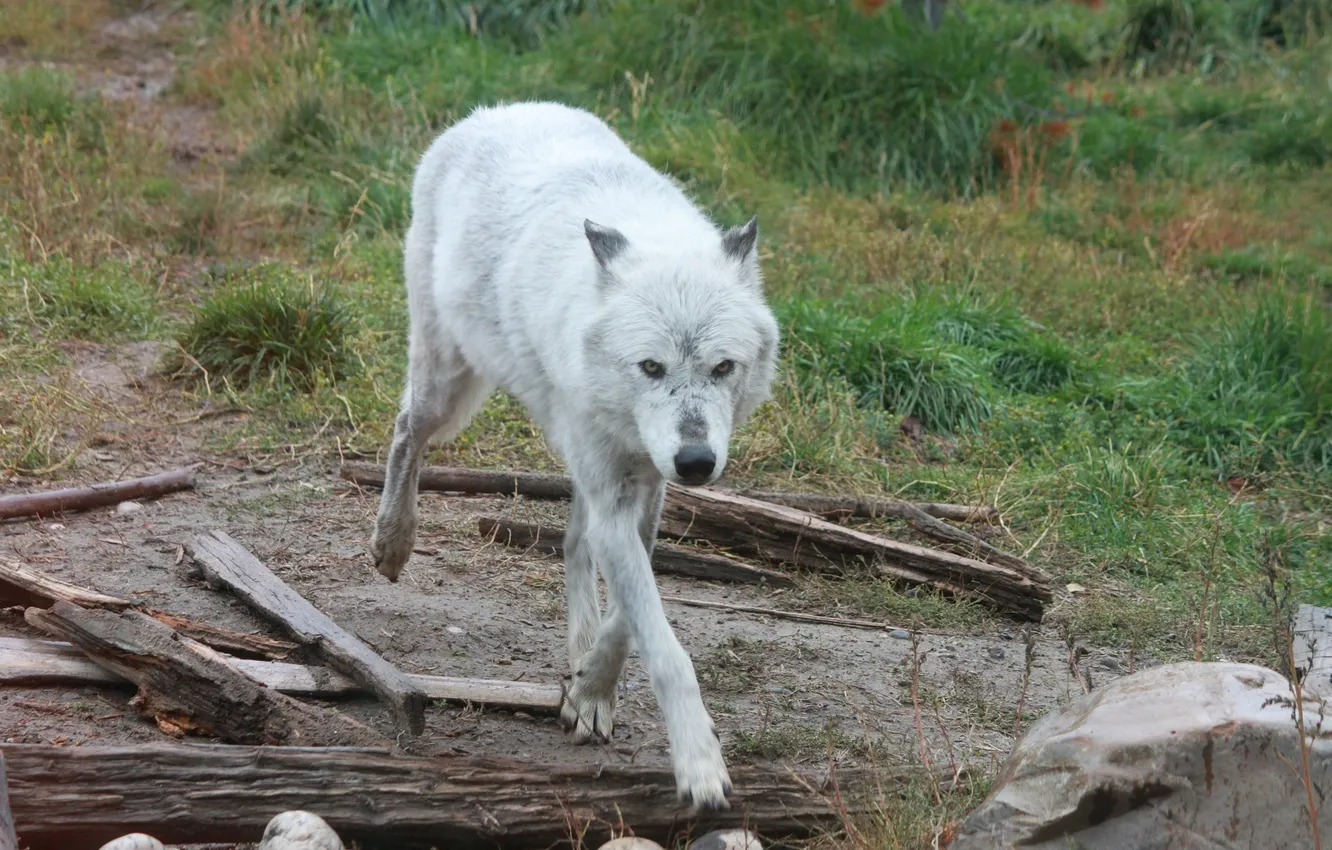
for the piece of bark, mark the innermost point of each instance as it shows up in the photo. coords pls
(227, 563)
(666, 557)
(785, 535)
(97, 496)
(188, 688)
(25, 586)
(65, 797)
(8, 840)
(40, 662)
(842, 507)
(545, 485)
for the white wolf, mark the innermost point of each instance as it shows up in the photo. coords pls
(545, 258)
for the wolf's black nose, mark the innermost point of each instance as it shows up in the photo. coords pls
(695, 463)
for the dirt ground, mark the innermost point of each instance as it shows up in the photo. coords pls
(780, 692)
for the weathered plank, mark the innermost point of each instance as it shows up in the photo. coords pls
(188, 688)
(65, 797)
(25, 586)
(38, 662)
(227, 563)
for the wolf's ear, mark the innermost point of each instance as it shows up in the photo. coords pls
(607, 242)
(739, 242)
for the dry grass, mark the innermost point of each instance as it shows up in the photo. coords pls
(49, 29)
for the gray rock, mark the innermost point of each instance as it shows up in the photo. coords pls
(134, 841)
(1194, 755)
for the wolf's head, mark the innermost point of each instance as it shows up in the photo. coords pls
(684, 346)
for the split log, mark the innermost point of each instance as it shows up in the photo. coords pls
(795, 616)
(839, 507)
(40, 662)
(8, 840)
(67, 797)
(227, 563)
(666, 557)
(787, 536)
(545, 485)
(27, 587)
(188, 688)
(97, 496)
(843, 507)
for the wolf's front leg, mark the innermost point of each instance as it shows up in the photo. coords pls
(613, 538)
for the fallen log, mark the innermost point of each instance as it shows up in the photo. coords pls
(785, 535)
(188, 688)
(8, 840)
(75, 797)
(227, 563)
(53, 502)
(545, 485)
(27, 587)
(40, 662)
(666, 557)
(796, 616)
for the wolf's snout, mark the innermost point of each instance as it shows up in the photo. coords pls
(694, 464)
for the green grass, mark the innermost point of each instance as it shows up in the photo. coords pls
(269, 330)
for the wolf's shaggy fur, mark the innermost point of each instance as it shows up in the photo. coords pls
(545, 258)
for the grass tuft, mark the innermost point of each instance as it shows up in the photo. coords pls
(269, 331)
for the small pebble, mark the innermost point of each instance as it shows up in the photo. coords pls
(900, 634)
(453, 630)
(128, 508)
(995, 652)
(134, 841)
(775, 689)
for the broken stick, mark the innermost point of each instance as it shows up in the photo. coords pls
(39, 662)
(97, 496)
(545, 485)
(28, 587)
(844, 622)
(227, 563)
(787, 536)
(188, 688)
(67, 797)
(666, 557)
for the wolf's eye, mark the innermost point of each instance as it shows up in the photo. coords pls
(652, 368)
(723, 368)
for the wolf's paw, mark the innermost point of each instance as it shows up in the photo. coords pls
(701, 780)
(588, 712)
(391, 545)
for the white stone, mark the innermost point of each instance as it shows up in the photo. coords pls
(299, 830)
(1194, 755)
(727, 839)
(128, 508)
(134, 841)
(629, 842)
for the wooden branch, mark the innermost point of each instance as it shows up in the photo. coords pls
(39, 662)
(97, 496)
(453, 479)
(544, 485)
(27, 587)
(66, 797)
(8, 840)
(188, 688)
(788, 536)
(841, 507)
(666, 557)
(225, 562)
(844, 622)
